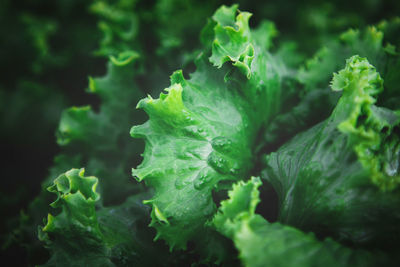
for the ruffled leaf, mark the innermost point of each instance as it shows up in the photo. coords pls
(119, 25)
(377, 43)
(76, 196)
(192, 143)
(83, 235)
(317, 102)
(117, 92)
(371, 130)
(260, 242)
(331, 179)
(202, 130)
(100, 133)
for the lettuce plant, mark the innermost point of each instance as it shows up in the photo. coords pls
(321, 133)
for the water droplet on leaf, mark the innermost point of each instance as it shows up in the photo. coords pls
(218, 163)
(202, 179)
(221, 144)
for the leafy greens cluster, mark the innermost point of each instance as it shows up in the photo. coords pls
(255, 112)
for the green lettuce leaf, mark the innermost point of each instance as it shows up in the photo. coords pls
(341, 177)
(76, 196)
(86, 234)
(95, 135)
(95, 139)
(188, 152)
(119, 25)
(377, 43)
(260, 242)
(202, 131)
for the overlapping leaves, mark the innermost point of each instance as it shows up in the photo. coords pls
(202, 131)
(339, 178)
(260, 242)
(107, 235)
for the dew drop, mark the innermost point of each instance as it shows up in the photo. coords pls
(219, 163)
(221, 144)
(202, 179)
(194, 131)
